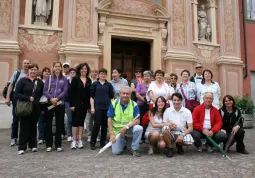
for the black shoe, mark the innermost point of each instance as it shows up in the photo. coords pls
(102, 144)
(243, 151)
(179, 149)
(92, 146)
(169, 152)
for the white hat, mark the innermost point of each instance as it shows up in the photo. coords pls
(66, 63)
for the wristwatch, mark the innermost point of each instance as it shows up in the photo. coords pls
(127, 127)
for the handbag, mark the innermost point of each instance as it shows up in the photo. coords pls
(44, 99)
(189, 104)
(25, 108)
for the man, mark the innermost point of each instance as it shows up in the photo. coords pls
(197, 77)
(207, 120)
(66, 67)
(123, 117)
(173, 78)
(16, 76)
(179, 118)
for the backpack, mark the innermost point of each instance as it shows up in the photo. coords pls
(4, 92)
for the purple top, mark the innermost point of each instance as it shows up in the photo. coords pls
(142, 90)
(58, 88)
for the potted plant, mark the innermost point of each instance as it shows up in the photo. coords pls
(247, 108)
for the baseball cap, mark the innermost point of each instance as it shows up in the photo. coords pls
(66, 64)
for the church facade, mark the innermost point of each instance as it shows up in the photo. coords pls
(150, 34)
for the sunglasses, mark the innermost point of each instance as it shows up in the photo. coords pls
(138, 71)
(199, 67)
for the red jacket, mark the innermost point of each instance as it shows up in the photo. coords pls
(198, 116)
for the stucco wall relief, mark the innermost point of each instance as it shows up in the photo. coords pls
(207, 54)
(39, 40)
(5, 17)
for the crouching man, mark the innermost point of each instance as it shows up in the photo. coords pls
(123, 118)
(180, 128)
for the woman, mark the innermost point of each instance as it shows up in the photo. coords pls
(167, 79)
(56, 95)
(233, 123)
(117, 82)
(187, 89)
(79, 102)
(29, 88)
(208, 85)
(41, 123)
(72, 74)
(159, 88)
(100, 100)
(135, 81)
(153, 131)
(94, 75)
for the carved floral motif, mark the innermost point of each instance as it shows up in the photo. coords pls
(5, 16)
(229, 27)
(83, 19)
(179, 34)
(39, 40)
(207, 54)
(101, 26)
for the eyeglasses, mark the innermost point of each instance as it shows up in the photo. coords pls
(174, 78)
(199, 67)
(138, 71)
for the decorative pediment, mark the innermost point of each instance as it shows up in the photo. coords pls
(133, 7)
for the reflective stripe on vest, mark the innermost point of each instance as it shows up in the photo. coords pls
(121, 119)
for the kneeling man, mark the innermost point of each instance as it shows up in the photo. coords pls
(180, 118)
(207, 120)
(123, 117)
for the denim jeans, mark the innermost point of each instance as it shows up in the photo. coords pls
(41, 127)
(120, 143)
(69, 119)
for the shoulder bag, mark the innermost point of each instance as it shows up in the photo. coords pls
(25, 108)
(189, 104)
(44, 99)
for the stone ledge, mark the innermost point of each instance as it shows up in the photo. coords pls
(180, 56)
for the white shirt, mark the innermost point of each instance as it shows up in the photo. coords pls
(181, 118)
(207, 121)
(157, 120)
(198, 79)
(214, 88)
(164, 90)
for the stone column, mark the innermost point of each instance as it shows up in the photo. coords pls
(194, 4)
(80, 33)
(213, 20)
(9, 48)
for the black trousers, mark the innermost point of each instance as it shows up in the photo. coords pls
(143, 109)
(79, 115)
(28, 130)
(100, 120)
(15, 120)
(59, 112)
(238, 138)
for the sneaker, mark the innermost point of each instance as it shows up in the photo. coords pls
(59, 149)
(210, 149)
(69, 139)
(48, 149)
(102, 144)
(179, 149)
(80, 144)
(243, 151)
(135, 153)
(40, 142)
(98, 139)
(21, 152)
(34, 150)
(73, 145)
(169, 152)
(199, 149)
(151, 151)
(13, 142)
(92, 146)
(89, 139)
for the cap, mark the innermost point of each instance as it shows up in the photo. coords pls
(66, 64)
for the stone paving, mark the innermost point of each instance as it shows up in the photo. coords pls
(81, 163)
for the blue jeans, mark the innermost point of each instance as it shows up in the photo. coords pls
(41, 127)
(120, 143)
(69, 119)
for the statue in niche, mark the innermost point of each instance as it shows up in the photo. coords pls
(202, 23)
(208, 33)
(42, 11)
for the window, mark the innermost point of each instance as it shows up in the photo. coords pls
(251, 9)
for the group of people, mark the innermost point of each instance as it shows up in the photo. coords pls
(177, 113)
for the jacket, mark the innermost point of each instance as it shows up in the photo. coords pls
(198, 116)
(58, 88)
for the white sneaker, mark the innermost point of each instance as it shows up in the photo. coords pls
(89, 139)
(13, 142)
(80, 144)
(40, 142)
(48, 149)
(34, 150)
(151, 151)
(59, 149)
(73, 145)
(21, 152)
(69, 139)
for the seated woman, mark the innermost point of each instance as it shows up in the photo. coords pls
(233, 122)
(153, 131)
